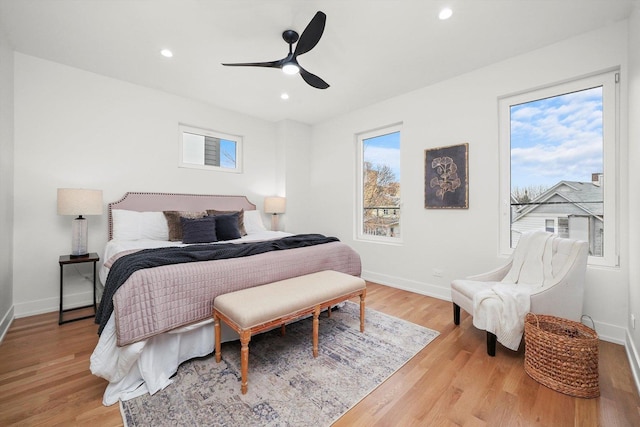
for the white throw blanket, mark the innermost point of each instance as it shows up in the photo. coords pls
(501, 309)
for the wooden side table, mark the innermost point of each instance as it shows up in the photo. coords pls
(68, 259)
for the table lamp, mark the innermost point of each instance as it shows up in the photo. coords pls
(274, 206)
(77, 201)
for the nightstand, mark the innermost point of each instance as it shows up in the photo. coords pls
(66, 260)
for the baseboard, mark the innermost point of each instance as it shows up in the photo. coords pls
(47, 305)
(610, 333)
(6, 323)
(634, 360)
(606, 332)
(421, 288)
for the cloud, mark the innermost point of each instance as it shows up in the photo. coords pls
(384, 156)
(556, 139)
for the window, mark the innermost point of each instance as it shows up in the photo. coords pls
(206, 149)
(563, 227)
(558, 160)
(550, 226)
(378, 215)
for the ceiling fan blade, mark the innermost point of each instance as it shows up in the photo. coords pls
(271, 64)
(311, 35)
(313, 80)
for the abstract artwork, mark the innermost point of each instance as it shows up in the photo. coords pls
(446, 184)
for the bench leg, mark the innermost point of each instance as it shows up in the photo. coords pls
(362, 296)
(316, 314)
(245, 337)
(216, 329)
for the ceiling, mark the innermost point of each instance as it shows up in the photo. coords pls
(371, 50)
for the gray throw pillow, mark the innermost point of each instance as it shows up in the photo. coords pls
(227, 226)
(199, 230)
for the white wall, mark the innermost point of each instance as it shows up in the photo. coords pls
(294, 156)
(78, 129)
(463, 109)
(6, 183)
(633, 338)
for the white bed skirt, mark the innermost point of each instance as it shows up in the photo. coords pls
(147, 366)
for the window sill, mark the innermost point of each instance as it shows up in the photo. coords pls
(392, 241)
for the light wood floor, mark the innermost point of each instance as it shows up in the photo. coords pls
(45, 378)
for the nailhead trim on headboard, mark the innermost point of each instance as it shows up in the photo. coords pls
(139, 201)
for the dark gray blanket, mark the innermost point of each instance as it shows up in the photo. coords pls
(125, 266)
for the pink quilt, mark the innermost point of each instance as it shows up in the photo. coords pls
(160, 299)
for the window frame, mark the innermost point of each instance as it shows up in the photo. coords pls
(211, 133)
(359, 217)
(610, 124)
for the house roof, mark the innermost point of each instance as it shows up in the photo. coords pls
(567, 198)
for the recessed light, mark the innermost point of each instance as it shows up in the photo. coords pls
(166, 53)
(445, 13)
(284, 96)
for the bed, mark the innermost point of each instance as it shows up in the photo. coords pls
(162, 315)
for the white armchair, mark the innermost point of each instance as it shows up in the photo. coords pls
(545, 275)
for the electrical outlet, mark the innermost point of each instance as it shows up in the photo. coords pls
(437, 272)
(633, 321)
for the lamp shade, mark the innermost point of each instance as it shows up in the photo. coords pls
(275, 205)
(78, 201)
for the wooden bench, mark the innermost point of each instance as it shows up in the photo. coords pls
(258, 309)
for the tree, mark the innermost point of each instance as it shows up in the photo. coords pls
(380, 185)
(528, 193)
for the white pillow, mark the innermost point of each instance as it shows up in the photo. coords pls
(132, 225)
(253, 222)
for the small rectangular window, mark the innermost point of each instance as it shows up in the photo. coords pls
(379, 211)
(563, 227)
(549, 226)
(207, 149)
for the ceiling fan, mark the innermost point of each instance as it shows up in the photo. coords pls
(307, 41)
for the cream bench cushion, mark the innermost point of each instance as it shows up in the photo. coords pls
(257, 309)
(252, 307)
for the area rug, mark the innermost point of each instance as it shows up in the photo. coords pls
(287, 385)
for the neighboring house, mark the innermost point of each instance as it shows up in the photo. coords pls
(569, 209)
(383, 221)
(381, 203)
(515, 206)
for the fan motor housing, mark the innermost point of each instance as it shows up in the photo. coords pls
(290, 36)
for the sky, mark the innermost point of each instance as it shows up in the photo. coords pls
(384, 149)
(558, 138)
(227, 154)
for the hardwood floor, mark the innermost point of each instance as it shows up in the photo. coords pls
(45, 378)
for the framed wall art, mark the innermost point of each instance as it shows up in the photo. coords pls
(446, 177)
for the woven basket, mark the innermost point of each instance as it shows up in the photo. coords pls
(562, 355)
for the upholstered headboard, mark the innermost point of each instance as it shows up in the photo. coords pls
(154, 202)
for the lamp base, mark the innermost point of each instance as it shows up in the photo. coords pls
(79, 237)
(274, 222)
(79, 256)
